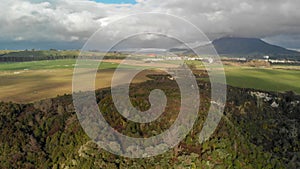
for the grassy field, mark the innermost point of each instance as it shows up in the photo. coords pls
(270, 79)
(280, 78)
(32, 81)
(38, 65)
(51, 64)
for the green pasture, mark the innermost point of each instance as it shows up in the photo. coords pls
(275, 78)
(264, 78)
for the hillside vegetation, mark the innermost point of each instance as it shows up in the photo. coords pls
(252, 133)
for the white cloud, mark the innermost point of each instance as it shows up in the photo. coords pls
(59, 20)
(19, 38)
(64, 20)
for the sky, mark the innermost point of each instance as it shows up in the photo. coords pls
(117, 2)
(68, 24)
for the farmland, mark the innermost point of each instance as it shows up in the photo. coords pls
(31, 81)
(276, 78)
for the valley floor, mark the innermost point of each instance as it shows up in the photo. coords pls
(32, 81)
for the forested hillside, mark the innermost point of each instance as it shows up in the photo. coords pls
(258, 130)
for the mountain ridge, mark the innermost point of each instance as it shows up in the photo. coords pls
(242, 47)
(251, 47)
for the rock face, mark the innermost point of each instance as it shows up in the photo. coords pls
(259, 130)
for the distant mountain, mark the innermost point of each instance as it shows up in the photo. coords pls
(243, 47)
(251, 47)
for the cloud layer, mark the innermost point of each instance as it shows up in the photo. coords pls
(75, 21)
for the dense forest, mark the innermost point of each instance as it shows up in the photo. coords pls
(258, 130)
(52, 54)
(32, 55)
